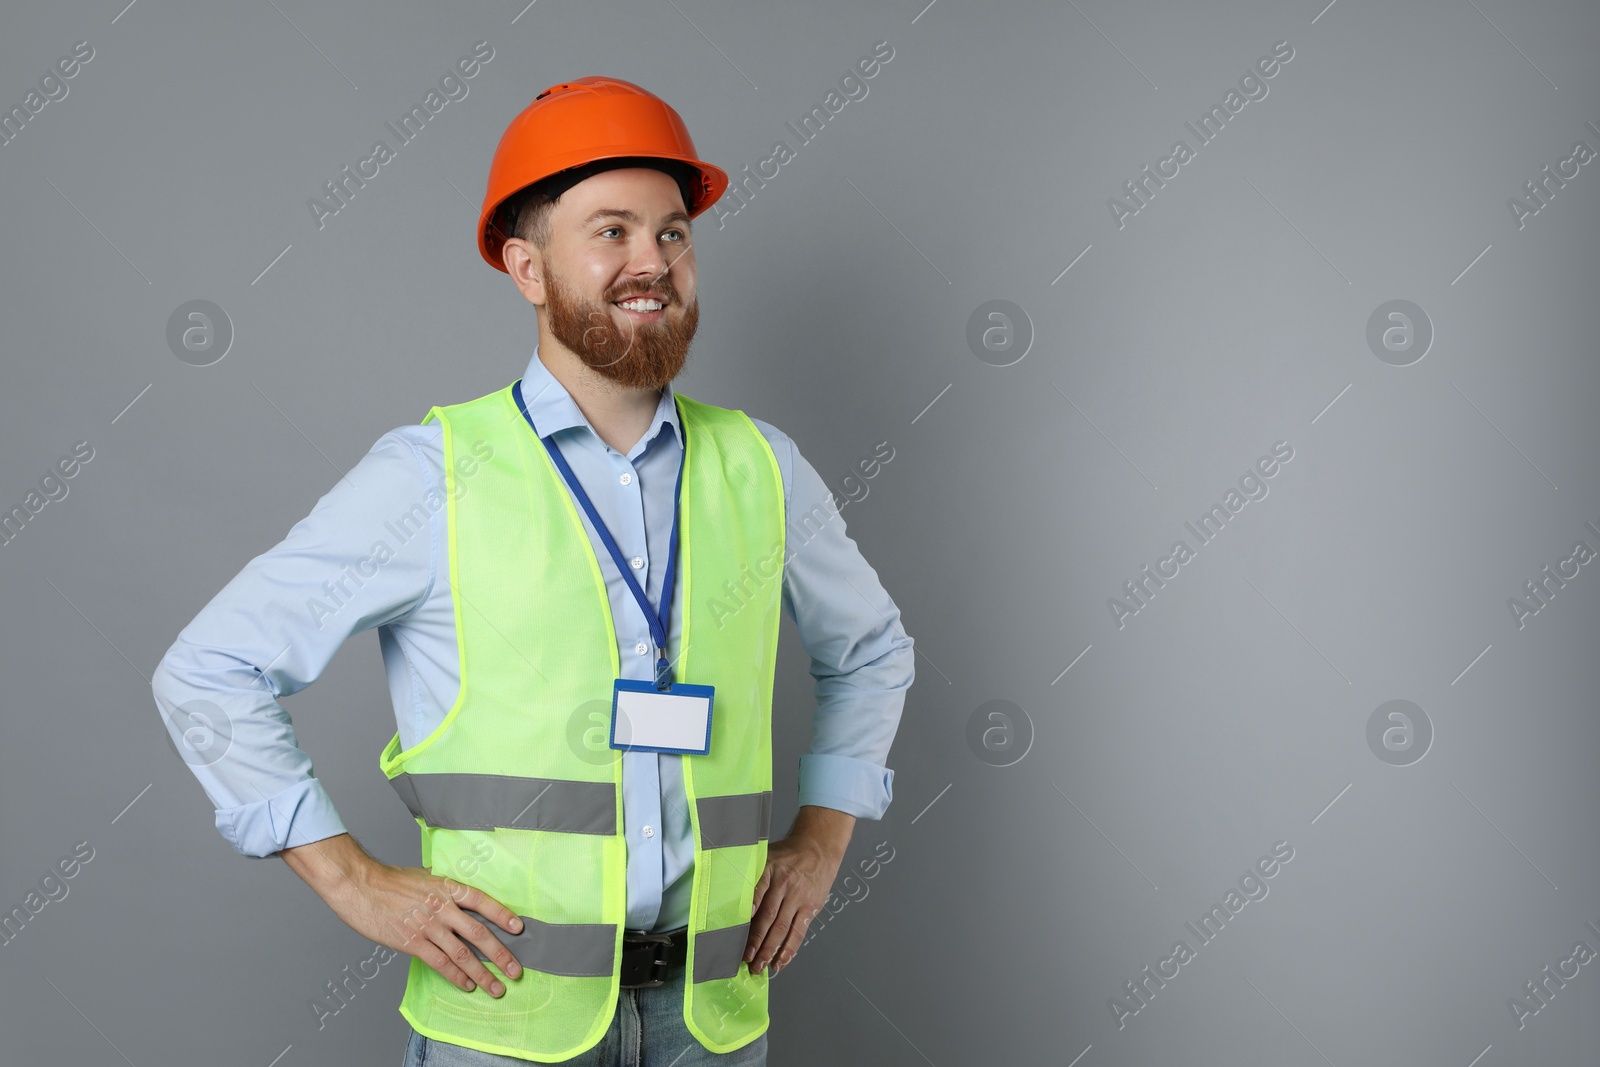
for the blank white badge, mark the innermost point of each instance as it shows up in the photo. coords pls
(642, 717)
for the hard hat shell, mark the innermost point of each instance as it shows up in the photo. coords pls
(581, 121)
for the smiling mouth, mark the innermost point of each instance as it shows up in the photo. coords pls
(644, 310)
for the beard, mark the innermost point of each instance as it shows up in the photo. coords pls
(637, 355)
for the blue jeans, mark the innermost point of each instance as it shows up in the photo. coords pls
(646, 1031)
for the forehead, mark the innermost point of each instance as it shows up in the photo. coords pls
(647, 193)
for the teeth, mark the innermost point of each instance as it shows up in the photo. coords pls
(640, 305)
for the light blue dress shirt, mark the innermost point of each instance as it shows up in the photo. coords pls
(373, 553)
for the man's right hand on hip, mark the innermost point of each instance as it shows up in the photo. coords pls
(410, 909)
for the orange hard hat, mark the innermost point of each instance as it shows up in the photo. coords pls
(580, 122)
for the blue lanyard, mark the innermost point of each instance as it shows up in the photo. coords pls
(658, 619)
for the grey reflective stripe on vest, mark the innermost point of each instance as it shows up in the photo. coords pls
(578, 950)
(718, 953)
(495, 801)
(741, 819)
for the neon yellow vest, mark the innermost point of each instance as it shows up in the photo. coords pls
(518, 793)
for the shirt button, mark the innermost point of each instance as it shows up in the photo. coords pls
(641, 648)
(627, 479)
(637, 561)
(649, 831)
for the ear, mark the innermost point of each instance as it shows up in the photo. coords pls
(524, 262)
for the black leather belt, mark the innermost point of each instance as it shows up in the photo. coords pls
(651, 959)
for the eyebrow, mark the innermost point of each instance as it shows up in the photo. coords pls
(628, 216)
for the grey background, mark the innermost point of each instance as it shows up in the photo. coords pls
(1228, 314)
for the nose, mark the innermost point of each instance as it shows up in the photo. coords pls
(646, 258)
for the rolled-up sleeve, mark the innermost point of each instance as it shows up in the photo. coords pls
(362, 558)
(861, 656)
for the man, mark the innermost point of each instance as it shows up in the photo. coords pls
(582, 557)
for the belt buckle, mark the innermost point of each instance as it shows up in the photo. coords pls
(659, 964)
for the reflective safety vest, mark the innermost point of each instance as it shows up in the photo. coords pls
(518, 793)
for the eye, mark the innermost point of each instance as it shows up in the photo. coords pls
(608, 229)
(681, 236)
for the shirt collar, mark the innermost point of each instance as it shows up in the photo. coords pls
(552, 408)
